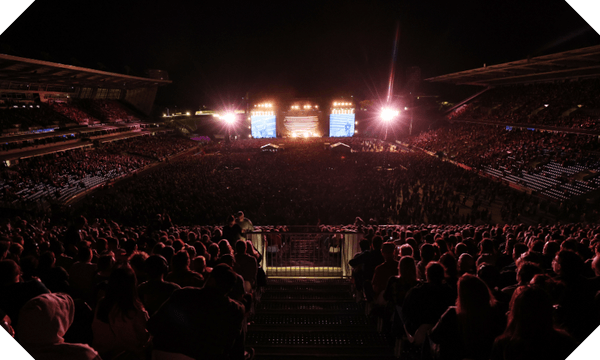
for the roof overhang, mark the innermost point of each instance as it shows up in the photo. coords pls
(22, 70)
(578, 63)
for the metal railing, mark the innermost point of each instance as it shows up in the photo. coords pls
(306, 254)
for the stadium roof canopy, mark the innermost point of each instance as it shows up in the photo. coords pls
(18, 70)
(578, 63)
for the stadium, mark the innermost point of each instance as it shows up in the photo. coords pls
(430, 225)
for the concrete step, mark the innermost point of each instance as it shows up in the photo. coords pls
(287, 322)
(321, 342)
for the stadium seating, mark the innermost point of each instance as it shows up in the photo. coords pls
(568, 104)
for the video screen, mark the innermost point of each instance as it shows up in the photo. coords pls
(301, 125)
(341, 125)
(263, 126)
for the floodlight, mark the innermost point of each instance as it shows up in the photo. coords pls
(229, 118)
(388, 114)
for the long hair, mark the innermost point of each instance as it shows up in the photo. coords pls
(530, 314)
(225, 247)
(474, 307)
(407, 270)
(121, 295)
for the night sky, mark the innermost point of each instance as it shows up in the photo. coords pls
(217, 51)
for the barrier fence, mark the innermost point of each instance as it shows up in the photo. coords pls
(306, 254)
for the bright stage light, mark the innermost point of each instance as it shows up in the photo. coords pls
(388, 114)
(229, 118)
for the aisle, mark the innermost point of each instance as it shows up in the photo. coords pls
(313, 318)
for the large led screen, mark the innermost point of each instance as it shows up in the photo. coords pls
(263, 126)
(301, 125)
(341, 125)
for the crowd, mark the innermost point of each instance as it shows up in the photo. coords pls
(310, 184)
(540, 156)
(74, 113)
(115, 112)
(98, 290)
(482, 292)
(88, 112)
(106, 110)
(22, 144)
(486, 145)
(570, 104)
(158, 147)
(357, 144)
(103, 290)
(58, 171)
(23, 117)
(51, 175)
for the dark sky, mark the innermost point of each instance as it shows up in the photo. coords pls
(216, 51)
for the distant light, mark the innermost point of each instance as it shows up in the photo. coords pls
(579, 106)
(187, 113)
(164, 115)
(356, 131)
(249, 136)
(545, 105)
(388, 114)
(229, 118)
(405, 108)
(294, 135)
(356, 123)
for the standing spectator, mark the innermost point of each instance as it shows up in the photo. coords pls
(371, 259)
(181, 273)
(244, 223)
(200, 323)
(385, 271)
(154, 292)
(530, 332)
(425, 303)
(82, 274)
(468, 329)
(232, 231)
(120, 320)
(245, 265)
(575, 312)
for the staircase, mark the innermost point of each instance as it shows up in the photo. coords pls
(313, 318)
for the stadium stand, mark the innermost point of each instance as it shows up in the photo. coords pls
(61, 176)
(569, 104)
(451, 263)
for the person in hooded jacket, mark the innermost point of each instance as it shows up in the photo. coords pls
(44, 320)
